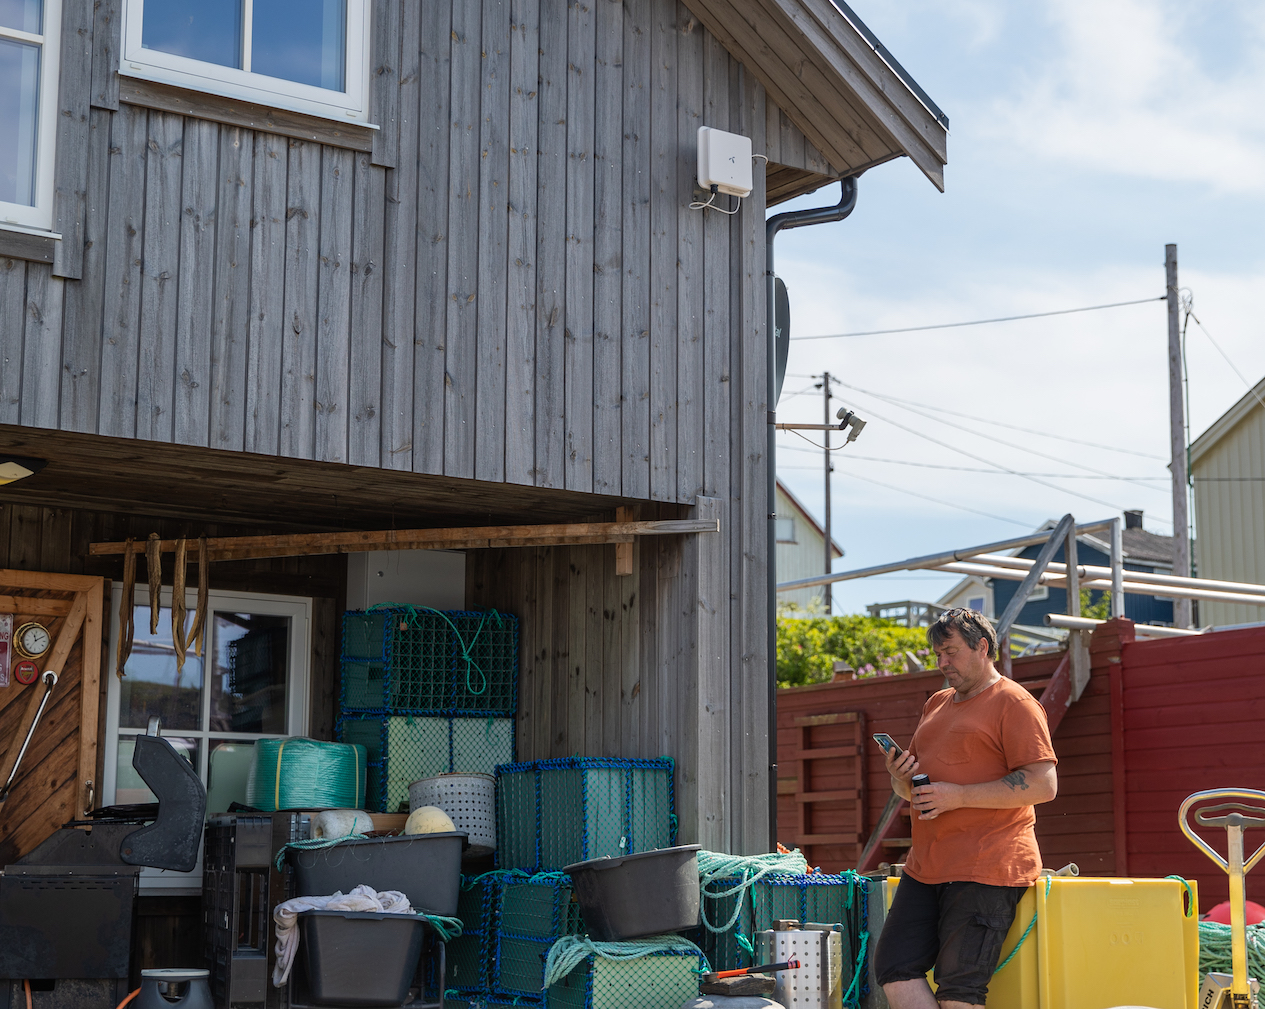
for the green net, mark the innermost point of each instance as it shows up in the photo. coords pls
(535, 912)
(405, 748)
(470, 956)
(299, 773)
(654, 980)
(413, 659)
(552, 813)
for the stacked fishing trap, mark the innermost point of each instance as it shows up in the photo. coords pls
(427, 692)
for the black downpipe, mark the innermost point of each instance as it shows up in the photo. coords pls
(792, 219)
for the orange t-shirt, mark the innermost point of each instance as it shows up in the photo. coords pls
(967, 743)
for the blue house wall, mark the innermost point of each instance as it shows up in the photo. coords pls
(1138, 608)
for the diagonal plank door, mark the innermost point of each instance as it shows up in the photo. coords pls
(56, 779)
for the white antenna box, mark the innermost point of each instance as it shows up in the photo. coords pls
(724, 161)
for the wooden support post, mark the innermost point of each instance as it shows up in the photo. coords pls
(623, 551)
(1077, 641)
(89, 697)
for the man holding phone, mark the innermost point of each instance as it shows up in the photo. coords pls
(985, 745)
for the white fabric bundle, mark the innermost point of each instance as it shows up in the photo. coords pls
(340, 823)
(286, 915)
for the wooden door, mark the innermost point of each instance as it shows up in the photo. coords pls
(56, 780)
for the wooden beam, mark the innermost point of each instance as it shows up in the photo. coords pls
(1058, 695)
(87, 787)
(13, 579)
(623, 551)
(479, 537)
(29, 607)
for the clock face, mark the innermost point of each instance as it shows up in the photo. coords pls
(33, 639)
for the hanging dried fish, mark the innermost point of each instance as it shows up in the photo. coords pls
(198, 633)
(154, 562)
(127, 609)
(177, 603)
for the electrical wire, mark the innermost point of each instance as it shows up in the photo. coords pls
(999, 423)
(980, 469)
(980, 322)
(1250, 388)
(1000, 441)
(940, 501)
(711, 205)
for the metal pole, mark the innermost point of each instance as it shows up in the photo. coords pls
(1117, 567)
(827, 593)
(1177, 436)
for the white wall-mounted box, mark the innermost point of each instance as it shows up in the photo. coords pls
(724, 161)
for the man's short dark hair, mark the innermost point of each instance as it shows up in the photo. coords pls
(971, 625)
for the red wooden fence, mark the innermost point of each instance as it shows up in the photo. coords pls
(1158, 720)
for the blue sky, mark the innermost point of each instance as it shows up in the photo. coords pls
(1085, 136)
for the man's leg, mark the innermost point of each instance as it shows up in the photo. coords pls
(908, 945)
(974, 920)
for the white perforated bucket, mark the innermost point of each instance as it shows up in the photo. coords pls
(468, 799)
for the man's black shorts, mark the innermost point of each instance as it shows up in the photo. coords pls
(956, 927)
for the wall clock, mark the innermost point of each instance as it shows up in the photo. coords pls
(31, 640)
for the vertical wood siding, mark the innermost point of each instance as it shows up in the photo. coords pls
(525, 297)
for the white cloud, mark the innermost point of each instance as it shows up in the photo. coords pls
(1128, 91)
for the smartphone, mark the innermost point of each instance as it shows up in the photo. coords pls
(887, 742)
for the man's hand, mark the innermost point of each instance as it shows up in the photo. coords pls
(936, 798)
(901, 767)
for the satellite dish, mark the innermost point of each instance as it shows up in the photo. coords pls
(781, 332)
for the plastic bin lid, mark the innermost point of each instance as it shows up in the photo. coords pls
(607, 862)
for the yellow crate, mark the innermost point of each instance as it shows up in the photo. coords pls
(1098, 942)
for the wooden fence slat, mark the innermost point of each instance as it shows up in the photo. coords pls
(230, 323)
(333, 307)
(635, 350)
(12, 313)
(365, 394)
(266, 319)
(419, 440)
(488, 385)
(551, 242)
(384, 82)
(578, 343)
(41, 347)
(520, 323)
(302, 238)
(663, 252)
(164, 165)
(462, 323)
(107, 31)
(124, 255)
(196, 283)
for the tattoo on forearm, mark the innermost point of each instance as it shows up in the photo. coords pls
(1015, 779)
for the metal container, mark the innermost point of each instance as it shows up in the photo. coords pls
(470, 802)
(818, 983)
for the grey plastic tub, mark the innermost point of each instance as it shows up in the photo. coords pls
(634, 896)
(359, 958)
(425, 867)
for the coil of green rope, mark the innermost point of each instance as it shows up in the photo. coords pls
(748, 869)
(448, 928)
(1215, 954)
(571, 950)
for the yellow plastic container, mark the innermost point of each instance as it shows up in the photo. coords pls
(1098, 942)
(1108, 942)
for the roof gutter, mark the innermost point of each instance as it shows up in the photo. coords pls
(779, 222)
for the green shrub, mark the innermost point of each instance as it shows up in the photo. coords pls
(808, 646)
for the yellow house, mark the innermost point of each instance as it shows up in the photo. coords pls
(801, 548)
(1227, 463)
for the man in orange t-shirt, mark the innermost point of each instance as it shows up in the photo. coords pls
(986, 746)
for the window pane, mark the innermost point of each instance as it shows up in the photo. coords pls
(130, 787)
(24, 15)
(152, 686)
(208, 30)
(300, 40)
(19, 104)
(227, 773)
(248, 688)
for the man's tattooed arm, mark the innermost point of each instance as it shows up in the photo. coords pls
(1015, 779)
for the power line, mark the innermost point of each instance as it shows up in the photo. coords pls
(1013, 427)
(1002, 441)
(940, 501)
(980, 469)
(1250, 388)
(980, 322)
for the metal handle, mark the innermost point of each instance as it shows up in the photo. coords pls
(1226, 821)
(50, 679)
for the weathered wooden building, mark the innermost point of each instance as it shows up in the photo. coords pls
(429, 265)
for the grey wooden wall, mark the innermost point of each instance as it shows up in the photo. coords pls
(525, 298)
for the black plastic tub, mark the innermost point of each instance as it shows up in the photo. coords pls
(425, 867)
(634, 896)
(359, 958)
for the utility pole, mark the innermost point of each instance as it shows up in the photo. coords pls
(827, 592)
(1177, 436)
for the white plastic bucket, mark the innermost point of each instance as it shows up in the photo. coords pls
(468, 799)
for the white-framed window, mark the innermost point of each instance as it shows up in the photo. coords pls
(30, 42)
(250, 683)
(976, 603)
(785, 530)
(309, 56)
(1039, 593)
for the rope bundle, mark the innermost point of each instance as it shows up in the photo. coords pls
(1214, 949)
(300, 773)
(571, 950)
(749, 869)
